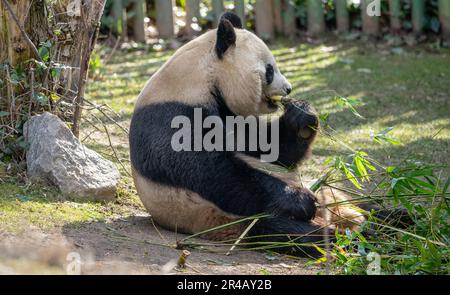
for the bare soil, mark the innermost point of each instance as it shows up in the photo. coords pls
(132, 245)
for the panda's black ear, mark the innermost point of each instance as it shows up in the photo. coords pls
(226, 37)
(234, 19)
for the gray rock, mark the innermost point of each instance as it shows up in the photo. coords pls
(56, 155)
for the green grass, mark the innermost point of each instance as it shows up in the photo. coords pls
(23, 207)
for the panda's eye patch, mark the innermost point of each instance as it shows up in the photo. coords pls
(269, 74)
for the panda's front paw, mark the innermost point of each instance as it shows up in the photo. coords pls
(295, 203)
(301, 117)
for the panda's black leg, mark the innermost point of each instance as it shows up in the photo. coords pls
(299, 235)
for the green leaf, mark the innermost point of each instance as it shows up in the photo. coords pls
(18, 75)
(447, 184)
(382, 137)
(342, 166)
(41, 98)
(55, 72)
(324, 118)
(4, 114)
(350, 103)
(44, 53)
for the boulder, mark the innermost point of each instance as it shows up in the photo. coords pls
(56, 155)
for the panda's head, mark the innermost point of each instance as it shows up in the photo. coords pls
(245, 70)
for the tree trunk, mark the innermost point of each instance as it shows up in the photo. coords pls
(264, 19)
(71, 31)
(289, 24)
(218, 9)
(138, 21)
(342, 18)
(316, 21)
(444, 16)
(239, 9)
(418, 16)
(395, 10)
(192, 13)
(164, 18)
(13, 47)
(370, 22)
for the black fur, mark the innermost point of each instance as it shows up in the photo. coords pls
(269, 74)
(226, 37)
(219, 177)
(233, 19)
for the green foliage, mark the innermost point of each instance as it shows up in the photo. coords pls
(419, 247)
(30, 97)
(382, 137)
(95, 64)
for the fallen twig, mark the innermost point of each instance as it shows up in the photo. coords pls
(242, 235)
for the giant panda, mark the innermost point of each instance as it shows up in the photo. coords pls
(227, 71)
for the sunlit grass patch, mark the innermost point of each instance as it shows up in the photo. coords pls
(38, 206)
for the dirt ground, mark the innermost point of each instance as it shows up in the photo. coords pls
(128, 246)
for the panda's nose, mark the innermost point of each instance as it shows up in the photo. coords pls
(288, 89)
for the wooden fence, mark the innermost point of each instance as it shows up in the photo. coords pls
(280, 17)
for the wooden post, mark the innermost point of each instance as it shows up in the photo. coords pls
(164, 18)
(418, 16)
(117, 16)
(264, 19)
(239, 9)
(138, 21)
(444, 16)
(395, 10)
(218, 9)
(289, 23)
(316, 21)
(342, 18)
(192, 11)
(371, 24)
(277, 15)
